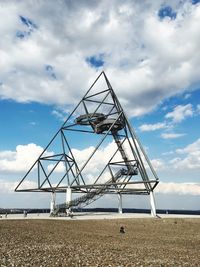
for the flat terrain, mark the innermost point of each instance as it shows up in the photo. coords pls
(146, 242)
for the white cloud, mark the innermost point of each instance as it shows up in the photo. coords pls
(171, 135)
(9, 186)
(153, 127)
(97, 162)
(131, 44)
(27, 154)
(178, 188)
(180, 113)
(168, 153)
(101, 158)
(60, 168)
(59, 115)
(183, 163)
(158, 164)
(21, 159)
(191, 148)
(14, 162)
(191, 159)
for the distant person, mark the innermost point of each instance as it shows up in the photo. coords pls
(122, 231)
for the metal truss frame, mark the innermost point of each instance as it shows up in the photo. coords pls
(113, 124)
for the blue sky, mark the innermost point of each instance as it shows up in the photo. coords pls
(150, 53)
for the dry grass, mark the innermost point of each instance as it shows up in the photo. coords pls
(146, 242)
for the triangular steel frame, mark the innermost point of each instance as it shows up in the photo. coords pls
(103, 116)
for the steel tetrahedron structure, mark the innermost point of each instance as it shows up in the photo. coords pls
(95, 152)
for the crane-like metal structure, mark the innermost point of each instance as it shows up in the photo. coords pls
(98, 121)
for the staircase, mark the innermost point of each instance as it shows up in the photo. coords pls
(91, 196)
(132, 169)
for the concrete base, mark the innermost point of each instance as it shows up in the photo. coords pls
(68, 199)
(53, 202)
(153, 206)
(120, 210)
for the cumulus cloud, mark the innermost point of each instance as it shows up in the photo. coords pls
(60, 168)
(178, 188)
(21, 159)
(153, 127)
(189, 157)
(24, 157)
(194, 147)
(171, 135)
(97, 162)
(9, 186)
(180, 112)
(168, 153)
(59, 114)
(183, 163)
(47, 56)
(158, 164)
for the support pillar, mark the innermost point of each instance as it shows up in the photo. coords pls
(68, 200)
(53, 202)
(120, 203)
(153, 206)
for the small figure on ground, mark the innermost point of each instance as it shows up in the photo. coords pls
(25, 213)
(122, 231)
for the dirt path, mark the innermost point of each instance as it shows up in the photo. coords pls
(146, 242)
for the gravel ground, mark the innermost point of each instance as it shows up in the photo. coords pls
(146, 242)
